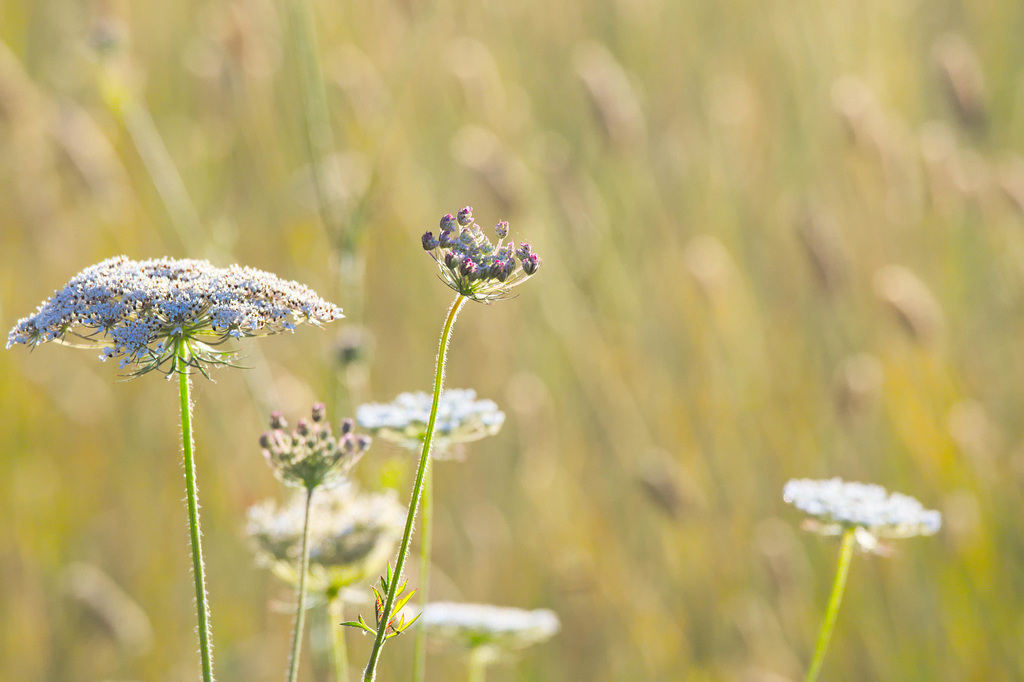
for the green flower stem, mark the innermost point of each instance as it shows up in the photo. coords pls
(477, 665)
(419, 667)
(417, 492)
(315, 113)
(339, 652)
(300, 607)
(842, 570)
(202, 606)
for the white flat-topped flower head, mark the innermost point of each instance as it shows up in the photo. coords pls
(502, 630)
(461, 418)
(837, 505)
(351, 535)
(169, 314)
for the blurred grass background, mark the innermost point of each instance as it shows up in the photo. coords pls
(781, 239)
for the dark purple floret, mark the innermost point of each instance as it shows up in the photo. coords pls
(429, 243)
(475, 265)
(318, 412)
(531, 263)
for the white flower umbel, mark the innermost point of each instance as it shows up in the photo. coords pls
(874, 514)
(351, 535)
(169, 314)
(461, 418)
(862, 514)
(488, 633)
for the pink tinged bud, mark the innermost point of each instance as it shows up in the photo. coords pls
(531, 263)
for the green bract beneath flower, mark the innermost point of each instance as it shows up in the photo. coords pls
(169, 314)
(472, 265)
(461, 418)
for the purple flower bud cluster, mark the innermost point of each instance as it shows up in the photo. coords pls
(474, 266)
(311, 455)
(154, 312)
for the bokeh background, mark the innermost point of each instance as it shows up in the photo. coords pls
(780, 239)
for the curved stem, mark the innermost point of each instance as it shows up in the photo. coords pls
(419, 667)
(842, 570)
(417, 492)
(300, 608)
(339, 652)
(202, 607)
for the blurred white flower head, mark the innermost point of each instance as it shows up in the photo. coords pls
(352, 535)
(875, 514)
(494, 631)
(461, 418)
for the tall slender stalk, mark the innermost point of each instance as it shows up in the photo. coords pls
(316, 121)
(300, 607)
(838, 585)
(417, 492)
(339, 652)
(476, 665)
(202, 606)
(419, 667)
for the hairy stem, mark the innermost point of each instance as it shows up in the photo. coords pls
(417, 492)
(842, 571)
(300, 607)
(419, 667)
(202, 606)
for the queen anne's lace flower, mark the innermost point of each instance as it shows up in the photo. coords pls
(500, 629)
(311, 455)
(461, 418)
(837, 505)
(351, 534)
(169, 314)
(472, 265)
